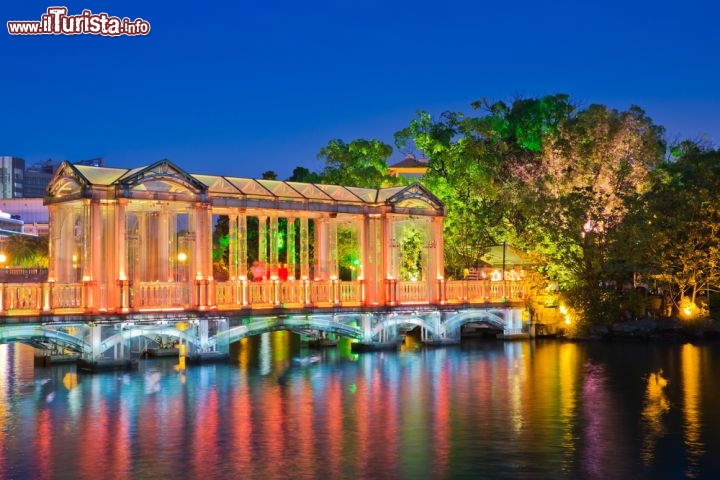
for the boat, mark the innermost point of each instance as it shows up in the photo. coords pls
(305, 361)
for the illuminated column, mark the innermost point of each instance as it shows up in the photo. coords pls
(332, 255)
(361, 225)
(304, 249)
(242, 245)
(120, 237)
(208, 225)
(163, 263)
(388, 245)
(233, 247)
(96, 341)
(262, 239)
(53, 242)
(373, 262)
(142, 247)
(437, 268)
(86, 241)
(290, 259)
(274, 245)
(321, 248)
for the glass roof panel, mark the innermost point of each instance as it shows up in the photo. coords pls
(161, 186)
(248, 186)
(216, 184)
(132, 172)
(279, 188)
(308, 190)
(339, 193)
(100, 175)
(367, 195)
(385, 193)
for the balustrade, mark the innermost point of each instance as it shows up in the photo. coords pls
(411, 292)
(161, 295)
(48, 297)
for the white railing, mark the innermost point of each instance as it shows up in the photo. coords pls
(412, 292)
(49, 297)
(350, 292)
(67, 295)
(261, 293)
(482, 291)
(22, 296)
(160, 295)
(322, 292)
(292, 293)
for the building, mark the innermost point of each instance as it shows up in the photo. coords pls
(12, 170)
(38, 175)
(409, 167)
(30, 212)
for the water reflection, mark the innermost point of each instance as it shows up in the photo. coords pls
(656, 406)
(694, 446)
(484, 410)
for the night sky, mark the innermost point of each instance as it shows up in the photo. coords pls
(240, 88)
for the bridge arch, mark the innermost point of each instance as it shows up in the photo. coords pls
(34, 334)
(342, 325)
(498, 318)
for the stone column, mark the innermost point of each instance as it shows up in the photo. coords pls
(86, 241)
(242, 246)
(290, 258)
(233, 247)
(274, 246)
(304, 249)
(52, 243)
(163, 260)
(262, 239)
(321, 248)
(332, 246)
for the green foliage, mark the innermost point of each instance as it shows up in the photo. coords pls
(302, 174)
(681, 223)
(26, 251)
(360, 163)
(269, 175)
(411, 257)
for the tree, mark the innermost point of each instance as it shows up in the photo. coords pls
(360, 163)
(269, 175)
(26, 251)
(302, 174)
(682, 223)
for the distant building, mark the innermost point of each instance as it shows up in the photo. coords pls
(409, 167)
(12, 170)
(18, 182)
(37, 177)
(30, 212)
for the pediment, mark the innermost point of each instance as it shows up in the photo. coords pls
(415, 196)
(67, 182)
(162, 177)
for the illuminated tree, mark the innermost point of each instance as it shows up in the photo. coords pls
(360, 163)
(682, 223)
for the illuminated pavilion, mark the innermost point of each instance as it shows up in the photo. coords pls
(142, 239)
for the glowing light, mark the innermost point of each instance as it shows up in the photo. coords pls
(182, 257)
(687, 311)
(3, 258)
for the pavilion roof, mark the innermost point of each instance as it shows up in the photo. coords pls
(164, 177)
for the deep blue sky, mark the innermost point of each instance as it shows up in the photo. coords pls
(239, 88)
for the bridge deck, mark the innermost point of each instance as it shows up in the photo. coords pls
(46, 299)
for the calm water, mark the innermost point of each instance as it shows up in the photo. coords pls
(483, 410)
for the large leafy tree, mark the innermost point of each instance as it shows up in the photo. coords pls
(360, 163)
(682, 223)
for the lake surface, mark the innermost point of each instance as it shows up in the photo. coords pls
(480, 410)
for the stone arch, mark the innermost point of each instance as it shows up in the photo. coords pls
(33, 336)
(494, 317)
